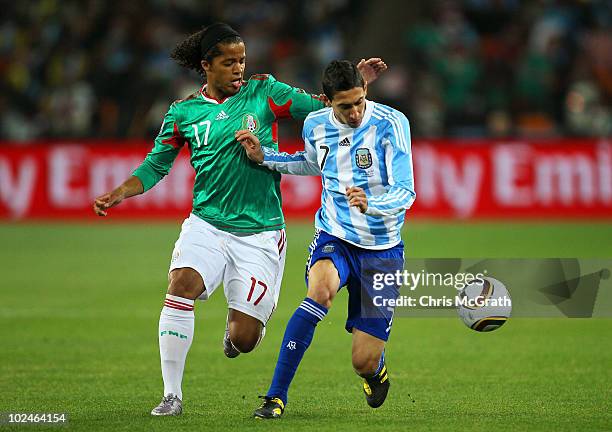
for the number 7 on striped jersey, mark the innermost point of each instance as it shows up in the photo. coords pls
(326, 149)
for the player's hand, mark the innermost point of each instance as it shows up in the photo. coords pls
(106, 201)
(251, 145)
(323, 98)
(371, 68)
(357, 198)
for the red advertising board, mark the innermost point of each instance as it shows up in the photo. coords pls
(465, 180)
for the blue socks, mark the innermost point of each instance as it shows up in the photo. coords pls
(298, 335)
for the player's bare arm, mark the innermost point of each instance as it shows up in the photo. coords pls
(371, 68)
(251, 145)
(357, 198)
(130, 187)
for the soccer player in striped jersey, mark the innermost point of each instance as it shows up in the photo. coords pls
(233, 236)
(362, 151)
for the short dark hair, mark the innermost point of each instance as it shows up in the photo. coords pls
(188, 53)
(341, 75)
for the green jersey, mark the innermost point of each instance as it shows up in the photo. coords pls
(230, 192)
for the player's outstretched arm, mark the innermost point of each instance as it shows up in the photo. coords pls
(286, 101)
(130, 187)
(251, 145)
(299, 163)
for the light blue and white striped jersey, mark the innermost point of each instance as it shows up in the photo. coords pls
(375, 156)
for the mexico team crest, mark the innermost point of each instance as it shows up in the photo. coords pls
(250, 122)
(363, 158)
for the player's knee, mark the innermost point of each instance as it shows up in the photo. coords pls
(244, 342)
(322, 294)
(323, 282)
(245, 345)
(245, 331)
(365, 364)
(186, 283)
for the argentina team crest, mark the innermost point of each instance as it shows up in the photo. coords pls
(363, 158)
(250, 122)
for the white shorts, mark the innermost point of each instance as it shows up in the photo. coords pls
(250, 266)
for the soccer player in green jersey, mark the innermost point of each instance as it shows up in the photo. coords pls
(235, 233)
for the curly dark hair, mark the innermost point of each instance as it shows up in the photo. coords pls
(187, 53)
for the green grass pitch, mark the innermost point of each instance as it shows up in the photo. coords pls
(80, 304)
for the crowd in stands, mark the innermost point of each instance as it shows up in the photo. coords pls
(472, 68)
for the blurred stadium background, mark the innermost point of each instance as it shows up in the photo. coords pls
(468, 68)
(510, 104)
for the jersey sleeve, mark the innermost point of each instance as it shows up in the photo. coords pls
(398, 161)
(166, 148)
(290, 102)
(300, 163)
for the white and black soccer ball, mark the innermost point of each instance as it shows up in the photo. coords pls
(484, 304)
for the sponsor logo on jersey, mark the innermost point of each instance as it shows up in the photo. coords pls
(222, 116)
(250, 122)
(346, 142)
(363, 158)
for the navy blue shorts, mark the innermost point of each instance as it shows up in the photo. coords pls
(360, 271)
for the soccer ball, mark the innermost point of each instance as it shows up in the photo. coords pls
(484, 304)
